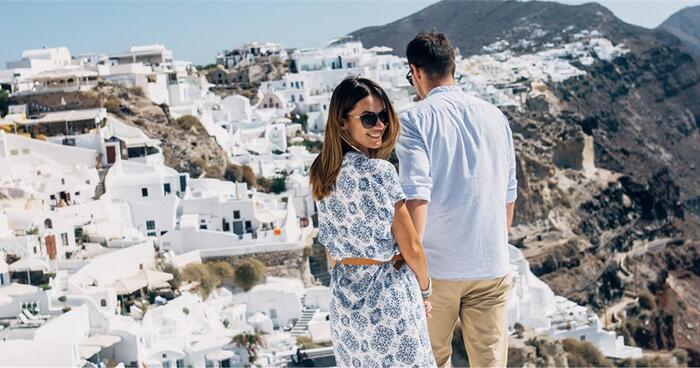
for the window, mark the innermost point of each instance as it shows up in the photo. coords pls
(64, 239)
(236, 214)
(166, 188)
(144, 192)
(25, 151)
(238, 227)
(226, 226)
(103, 303)
(273, 313)
(63, 181)
(166, 363)
(248, 226)
(47, 223)
(183, 183)
(13, 152)
(150, 225)
(180, 363)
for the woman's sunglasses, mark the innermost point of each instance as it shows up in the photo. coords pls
(409, 77)
(370, 119)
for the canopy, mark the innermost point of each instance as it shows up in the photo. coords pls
(102, 341)
(30, 264)
(86, 351)
(219, 355)
(144, 278)
(16, 289)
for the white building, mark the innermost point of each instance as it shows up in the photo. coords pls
(223, 219)
(152, 193)
(533, 304)
(278, 298)
(250, 53)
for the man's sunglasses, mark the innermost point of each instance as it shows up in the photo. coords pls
(370, 119)
(409, 76)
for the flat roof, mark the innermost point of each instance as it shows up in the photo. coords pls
(63, 116)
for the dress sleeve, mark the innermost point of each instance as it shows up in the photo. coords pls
(391, 183)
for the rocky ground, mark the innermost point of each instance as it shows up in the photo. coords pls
(186, 145)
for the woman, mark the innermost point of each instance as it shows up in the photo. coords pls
(377, 313)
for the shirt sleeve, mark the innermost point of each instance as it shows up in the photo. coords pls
(512, 192)
(414, 166)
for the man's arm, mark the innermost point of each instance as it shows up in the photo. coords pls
(414, 172)
(418, 209)
(512, 191)
(510, 210)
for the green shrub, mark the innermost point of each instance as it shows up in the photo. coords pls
(647, 301)
(222, 269)
(278, 185)
(681, 356)
(249, 273)
(177, 279)
(579, 352)
(197, 272)
(185, 122)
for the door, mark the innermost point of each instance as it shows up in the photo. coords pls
(50, 246)
(111, 155)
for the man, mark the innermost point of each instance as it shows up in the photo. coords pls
(457, 169)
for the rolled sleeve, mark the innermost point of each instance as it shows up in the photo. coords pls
(512, 193)
(414, 166)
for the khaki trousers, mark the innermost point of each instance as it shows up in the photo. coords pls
(482, 310)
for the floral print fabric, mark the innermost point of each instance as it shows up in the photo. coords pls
(376, 312)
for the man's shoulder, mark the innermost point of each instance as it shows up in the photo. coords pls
(483, 106)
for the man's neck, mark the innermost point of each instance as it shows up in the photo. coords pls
(443, 83)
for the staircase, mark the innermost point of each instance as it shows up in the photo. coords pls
(100, 188)
(318, 264)
(301, 328)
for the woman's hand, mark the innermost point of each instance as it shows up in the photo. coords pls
(428, 308)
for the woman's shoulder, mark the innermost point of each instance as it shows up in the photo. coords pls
(366, 165)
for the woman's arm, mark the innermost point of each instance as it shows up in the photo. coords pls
(409, 243)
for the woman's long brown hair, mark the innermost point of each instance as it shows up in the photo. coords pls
(326, 167)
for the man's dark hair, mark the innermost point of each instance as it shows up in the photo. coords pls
(432, 52)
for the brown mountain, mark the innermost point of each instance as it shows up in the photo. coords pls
(471, 25)
(632, 227)
(685, 24)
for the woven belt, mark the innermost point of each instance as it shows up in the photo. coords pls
(397, 261)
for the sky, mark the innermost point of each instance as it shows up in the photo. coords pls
(197, 30)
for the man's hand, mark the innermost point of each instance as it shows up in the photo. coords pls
(428, 308)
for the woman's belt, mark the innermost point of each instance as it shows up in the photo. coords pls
(397, 261)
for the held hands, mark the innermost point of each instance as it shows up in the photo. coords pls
(428, 308)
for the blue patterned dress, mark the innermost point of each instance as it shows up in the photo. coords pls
(376, 312)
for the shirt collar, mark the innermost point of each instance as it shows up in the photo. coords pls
(440, 89)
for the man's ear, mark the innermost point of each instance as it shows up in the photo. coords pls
(417, 73)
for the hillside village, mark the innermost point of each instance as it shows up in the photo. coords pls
(108, 239)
